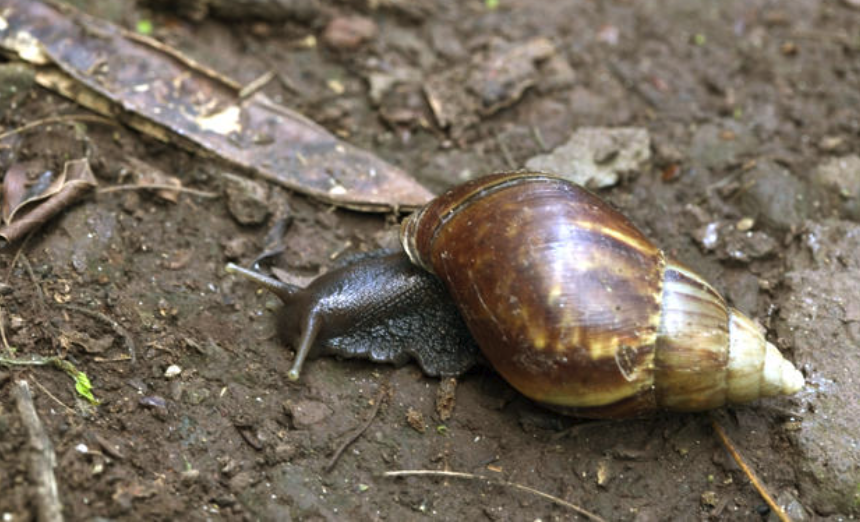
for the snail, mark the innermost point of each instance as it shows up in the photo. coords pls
(568, 301)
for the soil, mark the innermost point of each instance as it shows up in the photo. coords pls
(729, 92)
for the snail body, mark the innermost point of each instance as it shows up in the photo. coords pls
(378, 307)
(573, 305)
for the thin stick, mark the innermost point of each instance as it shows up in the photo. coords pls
(70, 118)
(42, 458)
(505, 483)
(780, 514)
(257, 84)
(115, 326)
(38, 361)
(506, 152)
(383, 389)
(52, 396)
(17, 255)
(26, 261)
(157, 186)
(6, 347)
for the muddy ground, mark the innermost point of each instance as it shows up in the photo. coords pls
(752, 112)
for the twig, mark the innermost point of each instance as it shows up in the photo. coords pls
(380, 396)
(42, 458)
(256, 84)
(505, 483)
(6, 347)
(38, 361)
(115, 326)
(158, 186)
(780, 514)
(52, 396)
(70, 118)
(538, 136)
(506, 153)
(17, 255)
(29, 268)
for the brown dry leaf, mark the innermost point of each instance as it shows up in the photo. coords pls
(20, 188)
(32, 209)
(165, 94)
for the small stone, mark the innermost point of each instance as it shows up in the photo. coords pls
(16, 322)
(709, 499)
(306, 413)
(708, 236)
(242, 481)
(774, 196)
(603, 474)
(229, 467)
(745, 224)
(349, 32)
(792, 507)
(172, 371)
(285, 452)
(710, 148)
(190, 475)
(247, 200)
(153, 401)
(831, 143)
(236, 247)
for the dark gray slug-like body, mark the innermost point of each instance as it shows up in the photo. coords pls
(378, 307)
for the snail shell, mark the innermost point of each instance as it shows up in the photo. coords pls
(578, 310)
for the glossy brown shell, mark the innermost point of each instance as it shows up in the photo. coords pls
(573, 305)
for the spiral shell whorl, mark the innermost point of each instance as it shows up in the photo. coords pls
(710, 354)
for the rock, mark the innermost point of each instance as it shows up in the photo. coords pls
(840, 177)
(445, 41)
(242, 481)
(774, 197)
(247, 200)
(349, 32)
(597, 156)
(746, 246)
(236, 247)
(718, 147)
(792, 507)
(306, 413)
(821, 319)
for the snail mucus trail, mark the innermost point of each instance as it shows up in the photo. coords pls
(566, 298)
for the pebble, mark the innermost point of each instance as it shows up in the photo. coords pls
(349, 32)
(172, 371)
(774, 196)
(306, 413)
(247, 200)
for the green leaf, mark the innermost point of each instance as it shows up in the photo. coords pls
(85, 387)
(144, 27)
